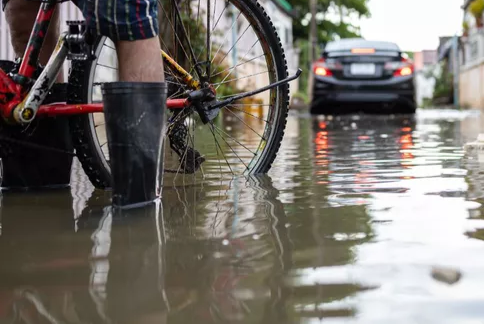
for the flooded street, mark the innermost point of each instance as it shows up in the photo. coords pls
(347, 227)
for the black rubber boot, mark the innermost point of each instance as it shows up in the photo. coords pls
(135, 123)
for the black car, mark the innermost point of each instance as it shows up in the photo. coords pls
(362, 74)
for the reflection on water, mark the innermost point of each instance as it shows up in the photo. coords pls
(345, 229)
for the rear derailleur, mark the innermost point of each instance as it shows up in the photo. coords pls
(178, 133)
(189, 158)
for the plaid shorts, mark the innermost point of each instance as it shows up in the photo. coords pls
(120, 19)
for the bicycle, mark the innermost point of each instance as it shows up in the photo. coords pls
(199, 89)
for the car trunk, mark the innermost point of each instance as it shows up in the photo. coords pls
(346, 65)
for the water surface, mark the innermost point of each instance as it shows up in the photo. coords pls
(346, 228)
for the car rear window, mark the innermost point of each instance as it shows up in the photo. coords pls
(346, 45)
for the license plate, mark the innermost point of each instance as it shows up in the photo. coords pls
(362, 69)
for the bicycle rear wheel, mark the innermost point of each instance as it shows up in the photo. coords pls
(245, 53)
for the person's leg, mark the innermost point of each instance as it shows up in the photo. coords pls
(135, 107)
(133, 26)
(20, 16)
(140, 60)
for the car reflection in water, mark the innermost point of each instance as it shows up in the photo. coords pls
(348, 156)
(356, 155)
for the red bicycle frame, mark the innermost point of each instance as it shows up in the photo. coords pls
(13, 92)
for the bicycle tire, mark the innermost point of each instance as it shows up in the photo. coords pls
(84, 136)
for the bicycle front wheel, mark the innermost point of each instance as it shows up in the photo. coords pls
(230, 45)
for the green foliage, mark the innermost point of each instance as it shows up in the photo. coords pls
(304, 63)
(443, 84)
(329, 30)
(301, 96)
(477, 8)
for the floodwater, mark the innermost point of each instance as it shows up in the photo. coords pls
(353, 224)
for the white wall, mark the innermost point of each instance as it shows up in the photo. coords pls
(425, 86)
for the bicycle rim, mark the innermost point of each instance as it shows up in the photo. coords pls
(245, 137)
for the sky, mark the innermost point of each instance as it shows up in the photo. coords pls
(414, 25)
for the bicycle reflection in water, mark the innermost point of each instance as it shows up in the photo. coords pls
(143, 268)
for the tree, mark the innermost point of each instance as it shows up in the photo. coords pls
(328, 29)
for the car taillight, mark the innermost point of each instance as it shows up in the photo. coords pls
(408, 70)
(325, 68)
(320, 68)
(400, 68)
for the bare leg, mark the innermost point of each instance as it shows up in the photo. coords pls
(20, 16)
(140, 61)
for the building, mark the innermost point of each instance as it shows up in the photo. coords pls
(424, 58)
(471, 63)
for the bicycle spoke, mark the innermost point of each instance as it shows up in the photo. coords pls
(227, 35)
(213, 28)
(190, 48)
(245, 112)
(236, 79)
(245, 124)
(175, 34)
(246, 166)
(218, 144)
(231, 48)
(236, 66)
(209, 43)
(248, 51)
(221, 130)
(113, 48)
(108, 67)
(194, 146)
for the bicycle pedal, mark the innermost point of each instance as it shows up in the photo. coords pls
(79, 41)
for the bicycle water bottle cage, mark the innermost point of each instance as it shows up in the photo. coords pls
(80, 41)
